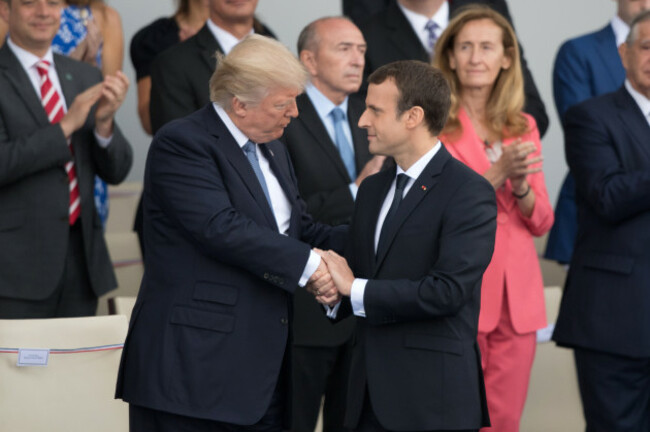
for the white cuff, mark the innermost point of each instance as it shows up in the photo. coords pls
(332, 311)
(101, 141)
(310, 268)
(356, 296)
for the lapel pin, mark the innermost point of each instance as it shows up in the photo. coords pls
(423, 187)
(68, 76)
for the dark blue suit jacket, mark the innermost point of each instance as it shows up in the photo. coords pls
(415, 353)
(606, 300)
(210, 328)
(585, 67)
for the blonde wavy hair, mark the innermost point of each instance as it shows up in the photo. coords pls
(506, 101)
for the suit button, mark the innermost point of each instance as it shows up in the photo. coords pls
(266, 276)
(281, 281)
(284, 321)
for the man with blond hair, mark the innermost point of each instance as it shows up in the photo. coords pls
(229, 241)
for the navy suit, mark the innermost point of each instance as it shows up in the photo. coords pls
(416, 361)
(607, 296)
(585, 67)
(210, 329)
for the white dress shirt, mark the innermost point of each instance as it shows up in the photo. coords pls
(324, 107)
(226, 40)
(419, 22)
(279, 202)
(359, 285)
(642, 101)
(620, 28)
(28, 61)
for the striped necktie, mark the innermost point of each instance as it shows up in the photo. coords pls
(53, 105)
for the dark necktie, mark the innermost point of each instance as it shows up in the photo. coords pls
(400, 184)
(251, 154)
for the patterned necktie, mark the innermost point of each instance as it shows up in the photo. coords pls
(53, 105)
(342, 143)
(400, 185)
(431, 28)
(251, 154)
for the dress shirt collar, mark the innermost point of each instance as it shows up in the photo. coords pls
(416, 169)
(226, 40)
(418, 21)
(621, 29)
(27, 59)
(322, 104)
(236, 133)
(642, 101)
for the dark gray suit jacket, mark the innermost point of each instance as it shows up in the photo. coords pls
(323, 182)
(34, 187)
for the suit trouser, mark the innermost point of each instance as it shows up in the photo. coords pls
(319, 371)
(507, 359)
(615, 391)
(73, 296)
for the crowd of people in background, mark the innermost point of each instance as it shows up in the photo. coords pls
(223, 276)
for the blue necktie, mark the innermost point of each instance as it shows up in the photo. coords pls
(251, 154)
(431, 27)
(400, 185)
(342, 143)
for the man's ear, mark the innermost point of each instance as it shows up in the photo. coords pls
(238, 107)
(622, 52)
(414, 117)
(308, 59)
(4, 13)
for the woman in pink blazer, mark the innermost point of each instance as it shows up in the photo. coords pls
(487, 130)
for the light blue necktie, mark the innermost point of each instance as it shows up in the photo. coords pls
(342, 143)
(251, 154)
(431, 27)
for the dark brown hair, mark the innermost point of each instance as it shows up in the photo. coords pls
(419, 84)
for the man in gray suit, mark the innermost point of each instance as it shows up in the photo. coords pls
(57, 131)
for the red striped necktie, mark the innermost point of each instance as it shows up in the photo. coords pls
(53, 105)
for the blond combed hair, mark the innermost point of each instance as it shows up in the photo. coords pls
(506, 101)
(252, 68)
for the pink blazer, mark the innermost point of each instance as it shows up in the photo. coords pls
(515, 266)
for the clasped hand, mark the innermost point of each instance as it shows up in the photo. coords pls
(332, 279)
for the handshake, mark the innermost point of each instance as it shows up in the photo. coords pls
(332, 279)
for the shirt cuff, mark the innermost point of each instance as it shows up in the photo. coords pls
(353, 190)
(332, 311)
(101, 141)
(312, 265)
(356, 297)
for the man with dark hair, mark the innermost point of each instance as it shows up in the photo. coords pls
(57, 131)
(604, 313)
(420, 239)
(330, 156)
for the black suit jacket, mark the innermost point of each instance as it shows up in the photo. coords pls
(34, 186)
(416, 350)
(323, 183)
(607, 296)
(180, 77)
(210, 327)
(390, 38)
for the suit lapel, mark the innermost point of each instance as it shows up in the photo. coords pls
(70, 90)
(608, 54)
(238, 160)
(403, 36)
(16, 75)
(313, 124)
(422, 186)
(280, 172)
(208, 46)
(359, 136)
(631, 116)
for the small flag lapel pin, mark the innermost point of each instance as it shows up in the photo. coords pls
(424, 188)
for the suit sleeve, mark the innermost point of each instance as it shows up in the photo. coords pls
(612, 191)
(541, 220)
(172, 96)
(45, 148)
(466, 245)
(570, 79)
(113, 163)
(190, 189)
